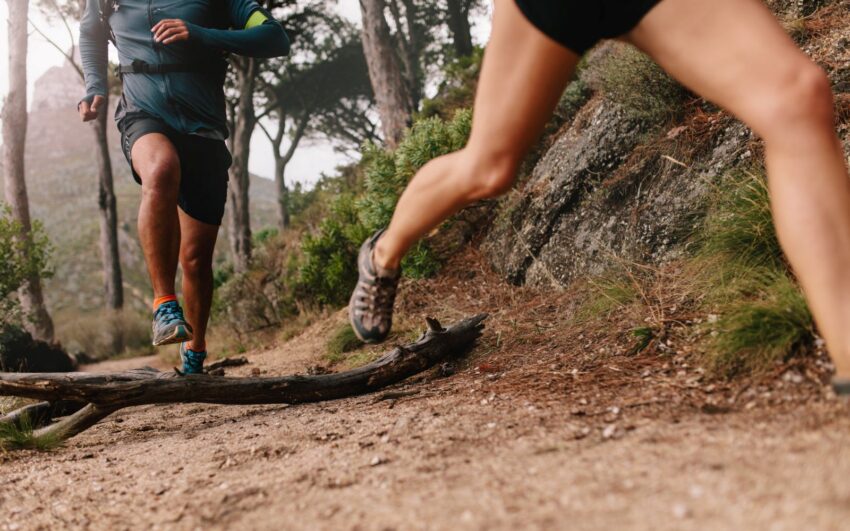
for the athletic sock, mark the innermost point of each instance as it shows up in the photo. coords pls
(159, 301)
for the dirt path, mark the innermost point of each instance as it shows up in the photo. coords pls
(537, 434)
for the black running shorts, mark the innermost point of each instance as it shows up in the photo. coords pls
(579, 25)
(203, 165)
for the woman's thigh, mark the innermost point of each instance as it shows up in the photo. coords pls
(523, 76)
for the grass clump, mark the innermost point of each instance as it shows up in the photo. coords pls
(607, 293)
(739, 227)
(753, 334)
(22, 436)
(644, 89)
(341, 342)
(744, 278)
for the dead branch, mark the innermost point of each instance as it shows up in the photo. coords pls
(105, 393)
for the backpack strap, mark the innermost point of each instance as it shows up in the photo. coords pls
(105, 9)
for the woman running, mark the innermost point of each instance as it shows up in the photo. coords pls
(732, 52)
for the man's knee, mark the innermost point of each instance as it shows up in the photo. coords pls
(490, 173)
(804, 98)
(161, 176)
(195, 260)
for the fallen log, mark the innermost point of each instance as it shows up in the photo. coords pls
(105, 393)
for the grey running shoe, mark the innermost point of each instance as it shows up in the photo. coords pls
(370, 309)
(169, 325)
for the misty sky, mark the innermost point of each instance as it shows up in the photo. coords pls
(311, 158)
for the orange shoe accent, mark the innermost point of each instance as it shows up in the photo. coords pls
(160, 300)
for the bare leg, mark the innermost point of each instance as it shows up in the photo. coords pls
(196, 255)
(156, 162)
(734, 53)
(523, 75)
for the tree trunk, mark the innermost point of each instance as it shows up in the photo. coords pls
(391, 92)
(282, 192)
(38, 321)
(108, 392)
(244, 122)
(109, 253)
(458, 22)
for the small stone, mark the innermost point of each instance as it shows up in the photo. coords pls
(680, 510)
(609, 431)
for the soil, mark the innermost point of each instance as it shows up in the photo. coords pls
(545, 425)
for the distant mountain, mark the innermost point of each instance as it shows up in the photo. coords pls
(62, 182)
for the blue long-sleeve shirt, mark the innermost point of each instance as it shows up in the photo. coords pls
(189, 102)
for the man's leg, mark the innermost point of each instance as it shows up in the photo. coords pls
(196, 255)
(735, 53)
(523, 76)
(156, 162)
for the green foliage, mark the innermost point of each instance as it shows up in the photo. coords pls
(329, 270)
(739, 225)
(387, 173)
(19, 259)
(263, 235)
(22, 436)
(608, 293)
(575, 96)
(763, 317)
(754, 333)
(342, 341)
(457, 91)
(330, 267)
(631, 78)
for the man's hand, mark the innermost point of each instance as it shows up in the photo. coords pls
(170, 30)
(88, 112)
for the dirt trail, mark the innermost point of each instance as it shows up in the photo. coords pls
(532, 434)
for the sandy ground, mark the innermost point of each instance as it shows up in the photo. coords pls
(531, 434)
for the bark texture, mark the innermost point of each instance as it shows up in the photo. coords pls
(244, 122)
(457, 14)
(107, 392)
(391, 92)
(113, 284)
(38, 321)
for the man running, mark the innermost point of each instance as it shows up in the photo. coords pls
(173, 125)
(732, 52)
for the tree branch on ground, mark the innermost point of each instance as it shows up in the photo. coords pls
(105, 393)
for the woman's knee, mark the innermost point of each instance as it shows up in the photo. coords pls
(490, 173)
(803, 98)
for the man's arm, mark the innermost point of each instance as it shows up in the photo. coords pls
(257, 33)
(94, 59)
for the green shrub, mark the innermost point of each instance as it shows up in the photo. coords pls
(644, 89)
(19, 260)
(457, 91)
(743, 277)
(753, 334)
(739, 225)
(342, 341)
(329, 270)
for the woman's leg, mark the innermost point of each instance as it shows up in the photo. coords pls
(523, 76)
(734, 53)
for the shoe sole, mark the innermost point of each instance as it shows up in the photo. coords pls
(178, 335)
